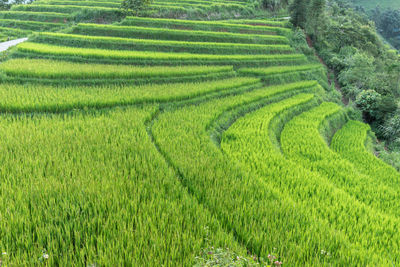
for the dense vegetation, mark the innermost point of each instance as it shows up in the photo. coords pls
(372, 4)
(366, 68)
(388, 23)
(385, 14)
(160, 141)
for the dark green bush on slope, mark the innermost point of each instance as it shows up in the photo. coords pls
(133, 7)
(349, 44)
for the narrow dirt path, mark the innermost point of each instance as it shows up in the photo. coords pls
(5, 45)
(330, 72)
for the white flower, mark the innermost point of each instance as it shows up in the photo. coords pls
(46, 256)
(4, 253)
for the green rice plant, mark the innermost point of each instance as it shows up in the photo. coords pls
(153, 58)
(253, 143)
(99, 1)
(80, 3)
(118, 43)
(203, 5)
(62, 9)
(301, 141)
(10, 32)
(56, 72)
(93, 190)
(201, 25)
(38, 98)
(349, 142)
(206, 7)
(282, 74)
(256, 212)
(172, 34)
(278, 70)
(29, 25)
(259, 22)
(196, 2)
(36, 16)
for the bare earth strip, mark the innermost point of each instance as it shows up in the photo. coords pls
(5, 45)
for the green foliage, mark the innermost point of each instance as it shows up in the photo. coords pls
(135, 6)
(391, 128)
(388, 21)
(372, 4)
(368, 102)
(226, 258)
(298, 12)
(357, 70)
(390, 157)
(274, 5)
(350, 45)
(315, 13)
(7, 4)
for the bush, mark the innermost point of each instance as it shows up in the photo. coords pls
(135, 6)
(368, 101)
(391, 129)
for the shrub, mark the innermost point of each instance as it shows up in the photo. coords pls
(368, 102)
(134, 6)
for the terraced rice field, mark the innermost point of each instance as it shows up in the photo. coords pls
(55, 15)
(145, 142)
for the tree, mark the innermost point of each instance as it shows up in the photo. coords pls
(6, 4)
(315, 14)
(358, 71)
(135, 6)
(368, 101)
(298, 13)
(274, 5)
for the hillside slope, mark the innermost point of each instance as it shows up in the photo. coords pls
(153, 141)
(372, 4)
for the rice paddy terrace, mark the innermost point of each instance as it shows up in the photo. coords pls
(53, 15)
(144, 142)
